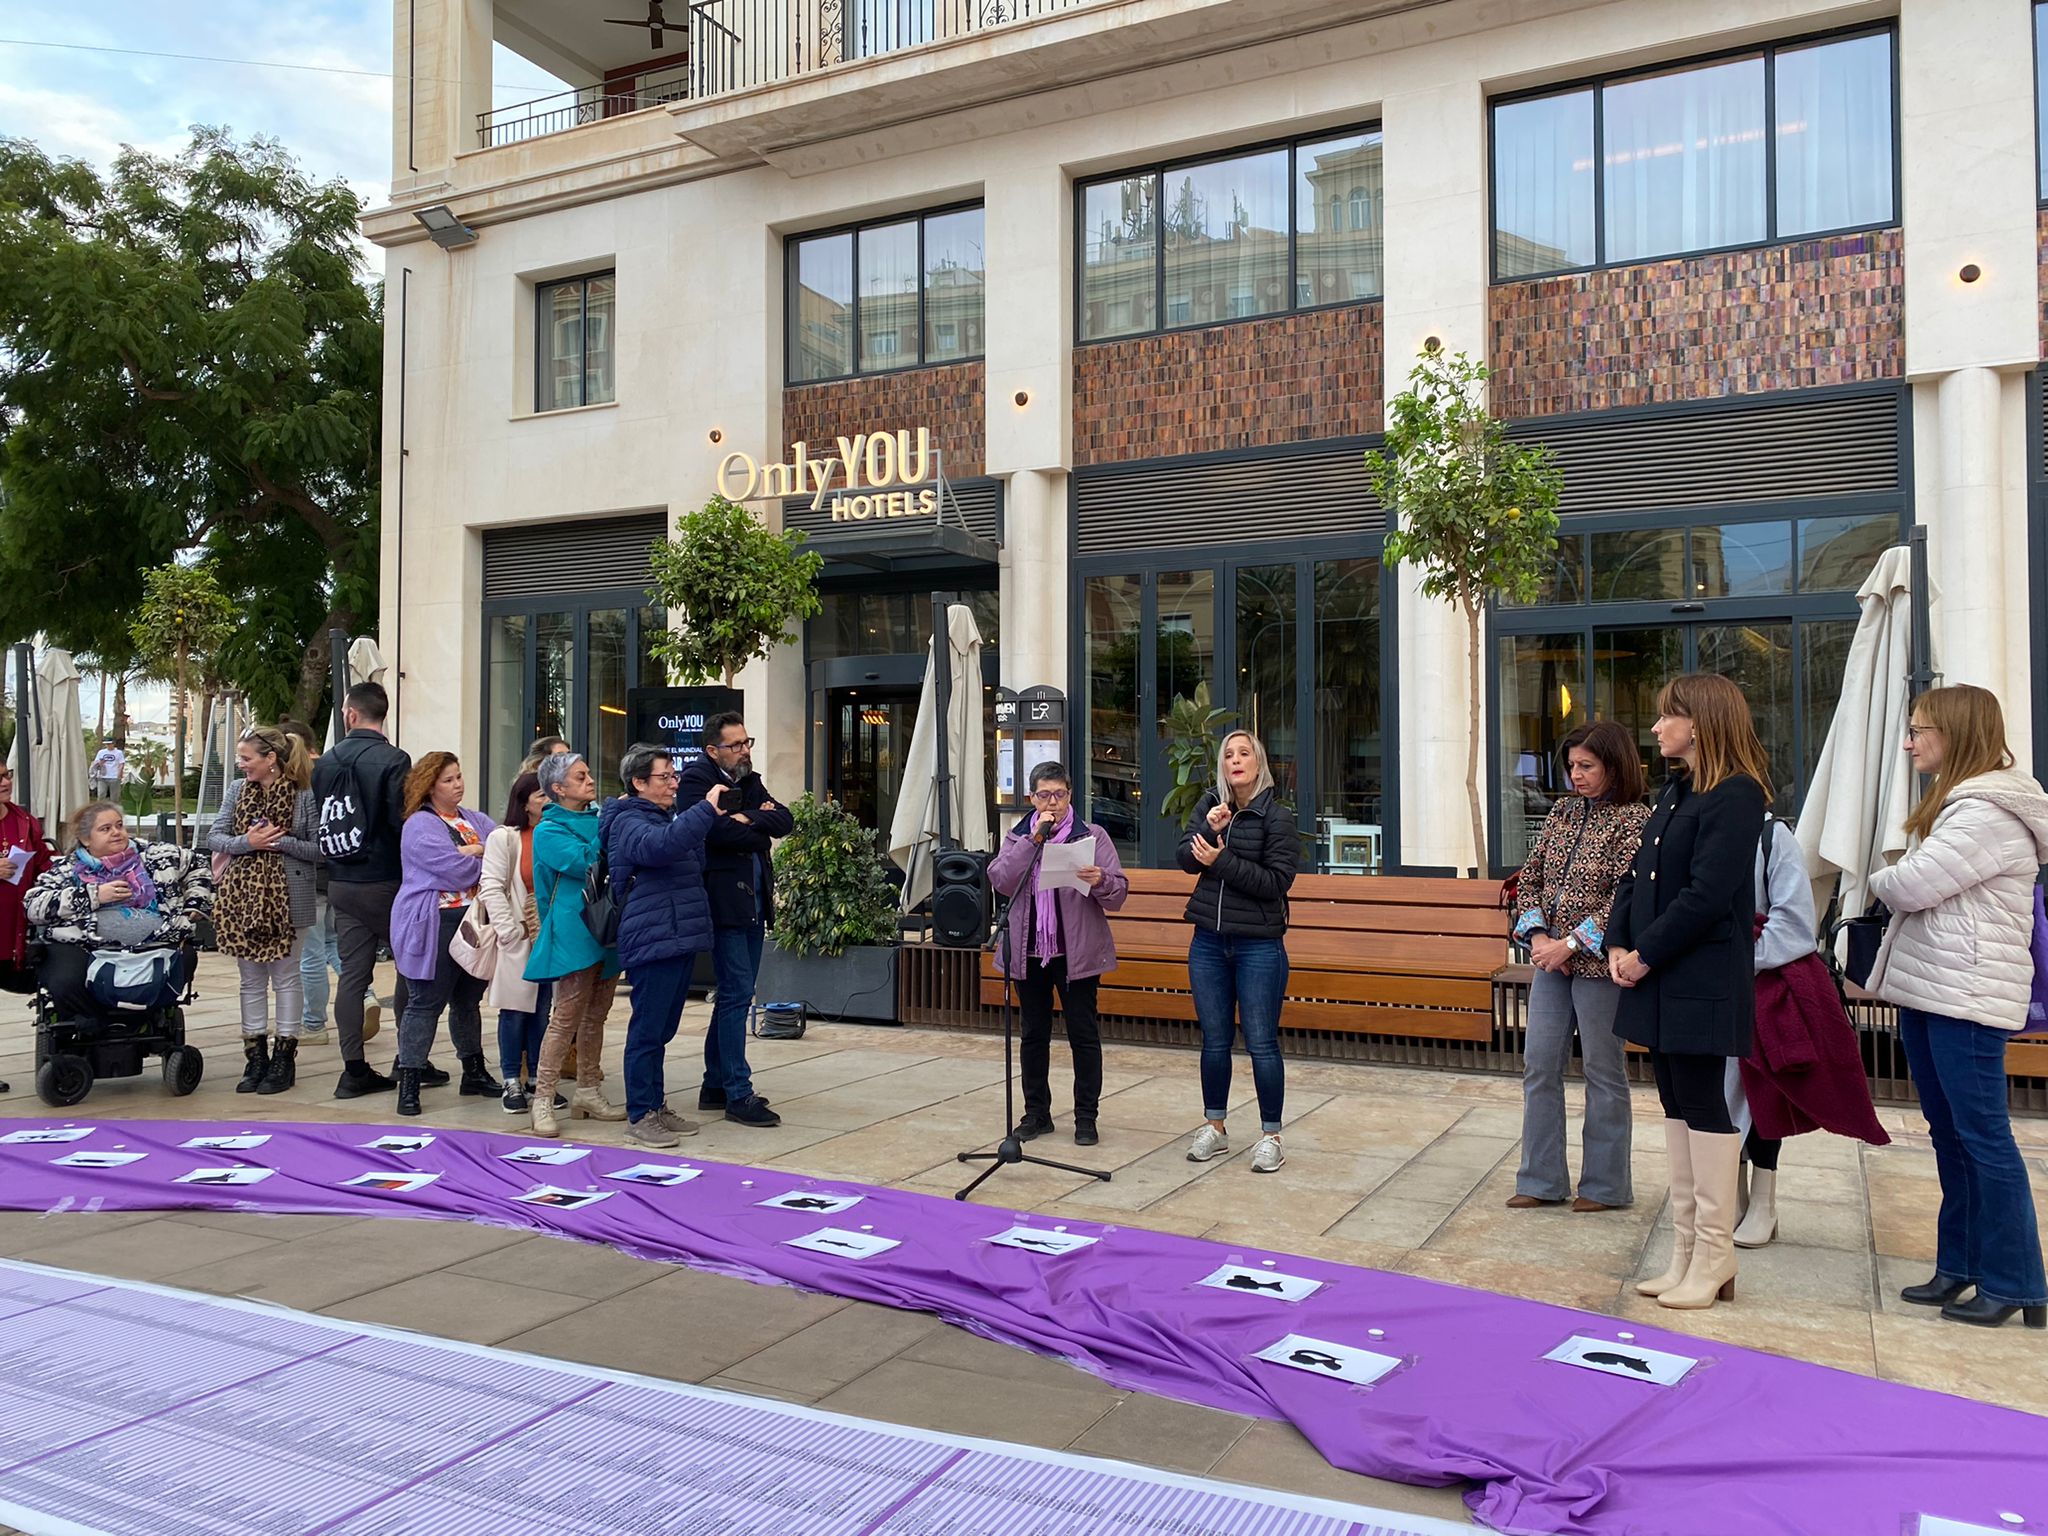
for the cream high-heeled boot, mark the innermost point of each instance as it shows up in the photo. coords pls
(1678, 1151)
(589, 1103)
(1760, 1222)
(1716, 1168)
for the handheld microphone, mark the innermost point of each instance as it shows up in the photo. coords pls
(1040, 831)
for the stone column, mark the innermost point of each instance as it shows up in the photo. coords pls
(1436, 287)
(441, 80)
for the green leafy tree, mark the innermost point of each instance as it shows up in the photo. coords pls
(832, 889)
(190, 363)
(1474, 509)
(1194, 731)
(738, 587)
(180, 626)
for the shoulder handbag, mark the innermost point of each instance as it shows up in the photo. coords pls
(601, 909)
(2037, 1010)
(1860, 937)
(474, 944)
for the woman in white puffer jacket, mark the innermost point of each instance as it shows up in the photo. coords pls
(1958, 961)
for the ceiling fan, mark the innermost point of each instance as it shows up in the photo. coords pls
(653, 23)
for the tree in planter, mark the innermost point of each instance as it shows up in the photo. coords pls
(832, 889)
(738, 587)
(1193, 731)
(1475, 510)
(182, 623)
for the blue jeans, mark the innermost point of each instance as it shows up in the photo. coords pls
(520, 1034)
(1238, 984)
(659, 990)
(1987, 1232)
(318, 956)
(736, 956)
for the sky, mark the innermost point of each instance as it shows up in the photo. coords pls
(82, 78)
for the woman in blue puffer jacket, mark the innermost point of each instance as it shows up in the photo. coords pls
(657, 867)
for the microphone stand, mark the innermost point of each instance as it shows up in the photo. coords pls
(1010, 1150)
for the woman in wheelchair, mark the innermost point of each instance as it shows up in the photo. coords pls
(113, 892)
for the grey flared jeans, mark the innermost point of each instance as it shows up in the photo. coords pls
(1558, 1005)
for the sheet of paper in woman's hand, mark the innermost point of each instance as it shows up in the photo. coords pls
(20, 858)
(1060, 865)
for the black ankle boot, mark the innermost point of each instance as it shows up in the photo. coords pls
(408, 1090)
(477, 1081)
(284, 1067)
(1985, 1313)
(256, 1059)
(1938, 1292)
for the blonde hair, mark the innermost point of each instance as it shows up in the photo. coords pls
(1972, 727)
(1725, 742)
(294, 762)
(1261, 781)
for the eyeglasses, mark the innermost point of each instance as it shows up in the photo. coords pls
(733, 746)
(1051, 796)
(1915, 732)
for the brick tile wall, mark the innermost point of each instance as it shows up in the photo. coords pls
(1797, 316)
(951, 400)
(1294, 378)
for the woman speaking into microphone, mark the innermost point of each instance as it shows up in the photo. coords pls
(1058, 939)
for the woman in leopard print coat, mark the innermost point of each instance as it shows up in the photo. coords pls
(1564, 892)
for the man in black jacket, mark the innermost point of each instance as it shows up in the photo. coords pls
(739, 878)
(359, 788)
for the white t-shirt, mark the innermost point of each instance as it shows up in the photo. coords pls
(109, 763)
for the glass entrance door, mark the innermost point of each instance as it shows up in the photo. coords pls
(869, 738)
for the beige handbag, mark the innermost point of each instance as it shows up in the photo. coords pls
(474, 944)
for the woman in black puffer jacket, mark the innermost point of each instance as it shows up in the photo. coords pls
(1241, 844)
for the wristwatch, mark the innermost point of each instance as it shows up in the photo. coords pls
(1571, 942)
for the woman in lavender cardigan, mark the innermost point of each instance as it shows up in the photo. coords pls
(440, 850)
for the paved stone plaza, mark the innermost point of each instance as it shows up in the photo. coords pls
(1391, 1168)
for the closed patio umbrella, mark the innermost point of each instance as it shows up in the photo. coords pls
(914, 835)
(1862, 789)
(365, 665)
(57, 764)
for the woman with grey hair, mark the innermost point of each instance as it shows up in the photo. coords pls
(1240, 844)
(585, 973)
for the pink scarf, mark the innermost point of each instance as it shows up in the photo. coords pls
(1045, 939)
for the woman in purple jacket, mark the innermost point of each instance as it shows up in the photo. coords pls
(440, 849)
(1058, 939)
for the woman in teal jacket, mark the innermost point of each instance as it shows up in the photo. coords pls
(585, 973)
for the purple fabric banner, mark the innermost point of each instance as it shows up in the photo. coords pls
(1563, 1418)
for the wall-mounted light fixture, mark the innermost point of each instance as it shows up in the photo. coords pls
(1432, 345)
(716, 436)
(444, 228)
(1970, 272)
(1022, 397)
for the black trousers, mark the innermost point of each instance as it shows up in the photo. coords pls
(1694, 1089)
(1084, 1034)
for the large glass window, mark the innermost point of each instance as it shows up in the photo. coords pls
(1540, 696)
(561, 666)
(505, 735)
(605, 729)
(1248, 234)
(894, 294)
(574, 343)
(1113, 611)
(1350, 753)
(1267, 658)
(1688, 157)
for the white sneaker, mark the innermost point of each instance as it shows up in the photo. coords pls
(1267, 1156)
(1208, 1143)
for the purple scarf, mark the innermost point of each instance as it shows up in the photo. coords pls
(1045, 938)
(128, 867)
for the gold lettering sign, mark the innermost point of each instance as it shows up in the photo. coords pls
(872, 475)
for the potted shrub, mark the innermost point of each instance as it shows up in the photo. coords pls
(833, 946)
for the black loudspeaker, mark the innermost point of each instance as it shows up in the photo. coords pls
(960, 904)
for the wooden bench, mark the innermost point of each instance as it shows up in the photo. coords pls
(1367, 954)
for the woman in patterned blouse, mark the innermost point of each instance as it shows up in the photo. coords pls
(1565, 890)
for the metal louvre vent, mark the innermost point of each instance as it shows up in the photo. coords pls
(570, 556)
(980, 503)
(1776, 450)
(1177, 503)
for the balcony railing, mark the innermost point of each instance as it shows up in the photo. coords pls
(586, 104)
(738, 44)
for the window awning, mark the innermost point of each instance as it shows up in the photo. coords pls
(896, 549)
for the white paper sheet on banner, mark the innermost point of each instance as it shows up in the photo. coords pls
(560, 1199)
(247, 1142)
(811, 1204)
(399, 1144)
(1043, 1240)
(508, 1440)
(1269, 1283)
(655, 1173)
(1936, 1525)
(550, 1157)
(390, 1183)
(1624, 1358)
(841, 1244)
(59, 1133)
(97, 1159)
(224, 1176)
(1060, 865)
(1326, 1357)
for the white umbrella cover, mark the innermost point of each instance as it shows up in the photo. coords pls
(914, 834)
(57, 764)
(365, 665)
(1856, 807)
